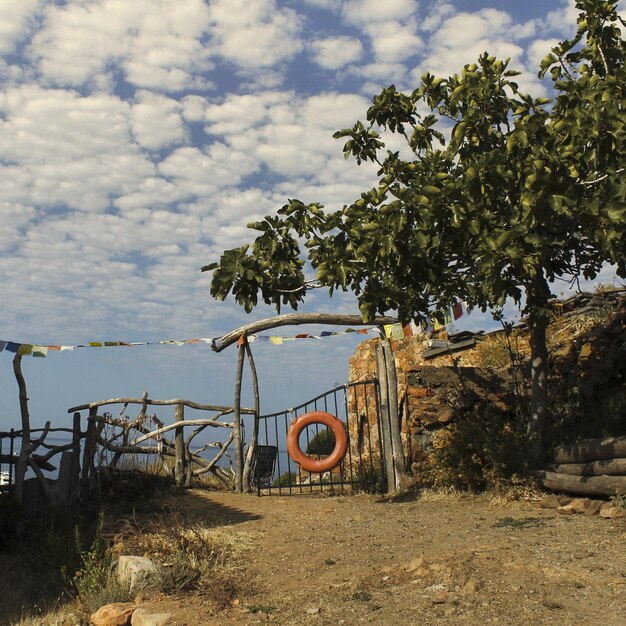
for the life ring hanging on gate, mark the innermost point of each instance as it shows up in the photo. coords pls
(306, 462)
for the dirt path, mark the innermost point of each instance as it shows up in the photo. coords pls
(444, 560)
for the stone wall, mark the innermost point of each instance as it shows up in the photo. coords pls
(587, 343)
(431, 391)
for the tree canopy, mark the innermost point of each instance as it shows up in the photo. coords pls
(494, 195)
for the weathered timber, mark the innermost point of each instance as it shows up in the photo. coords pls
(210, 467)
(394, 418)
(26, 446)
(179, 441)
(197, 422)
(584, 485)
(591, 450)
(238, 443)
(250, 453)
(609, 467)
(224, 410)
(296, 319)
(385, 429)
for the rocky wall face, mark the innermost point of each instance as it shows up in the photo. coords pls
(432, 391)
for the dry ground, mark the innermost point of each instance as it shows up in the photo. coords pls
(433, 560)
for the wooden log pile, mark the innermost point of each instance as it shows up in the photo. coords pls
(593, 467)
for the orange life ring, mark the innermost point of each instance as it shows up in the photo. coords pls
(306, 462)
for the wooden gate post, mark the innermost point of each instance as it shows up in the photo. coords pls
(247, 468)
(237, 419)
(385, 428)
(179, 447)
(26, 445)
(390, 421)
(394, 418)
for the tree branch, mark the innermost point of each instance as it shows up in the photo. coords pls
(296, 319)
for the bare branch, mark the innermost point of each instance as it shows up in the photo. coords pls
(296, 319)
(589, 183)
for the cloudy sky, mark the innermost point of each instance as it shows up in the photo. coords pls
(137, 140)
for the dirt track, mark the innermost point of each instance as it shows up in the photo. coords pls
(436, 560)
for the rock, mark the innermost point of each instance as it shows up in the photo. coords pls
(116, 614)
(135, 572)
(609, 511)
(549, 502)
(471, 586)
(594, 507)
(415, 564)
(580, 505)
(143, 617)
(566, 510)
(445, 415)
(586, 351)
(441, 597)
(313, 611)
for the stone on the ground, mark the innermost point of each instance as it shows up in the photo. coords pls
(549, 502)
(143, 617)
(566, 510)
(135, 572)
(116, 614)
(594, 507)
(580, 505)
(610, 511)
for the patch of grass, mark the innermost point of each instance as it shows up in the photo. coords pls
(526, 522)
(619, 501)
(361, 596)
(192, 556)
(261, 608)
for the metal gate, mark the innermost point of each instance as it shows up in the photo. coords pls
(363, 468)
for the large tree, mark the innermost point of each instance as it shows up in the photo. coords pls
(524, 192)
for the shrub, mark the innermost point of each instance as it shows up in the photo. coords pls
(287, 479)
(322, 444)
(481, 450)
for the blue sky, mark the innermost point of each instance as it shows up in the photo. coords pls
(139, 138)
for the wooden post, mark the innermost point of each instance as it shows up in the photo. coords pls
(394, 418)
(385, 428)
(75, 465)
(247, 468)
(179, 442)
(90, 448)
(26, 446)
(237, 420)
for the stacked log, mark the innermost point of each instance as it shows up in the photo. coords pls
(593, 467)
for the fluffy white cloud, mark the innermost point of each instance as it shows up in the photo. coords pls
(16, 21)
(288, 135)
(254, 34)
(365, 11)
(155, 43)
(157, 121)
(393, 42)
(335, 52)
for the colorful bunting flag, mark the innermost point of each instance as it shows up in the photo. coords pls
(391, 331)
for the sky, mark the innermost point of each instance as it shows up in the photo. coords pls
(137, 140)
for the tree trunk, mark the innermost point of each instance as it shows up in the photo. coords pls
(584, 485)
(26, 447)
(537, 297)
(591, 450)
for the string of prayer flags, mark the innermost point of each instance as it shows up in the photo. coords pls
(391, 331)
